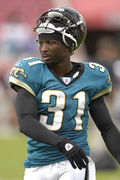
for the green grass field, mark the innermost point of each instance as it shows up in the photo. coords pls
(13, 153)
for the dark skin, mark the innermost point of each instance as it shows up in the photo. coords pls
(56, 55)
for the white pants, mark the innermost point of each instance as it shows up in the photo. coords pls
(60, 171)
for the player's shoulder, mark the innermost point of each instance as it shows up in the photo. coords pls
(26, 65)
(95, 69)
(97, 73)
(25, 74)
(98, 78)
(30, 61)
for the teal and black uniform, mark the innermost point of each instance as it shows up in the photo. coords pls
(63, 103)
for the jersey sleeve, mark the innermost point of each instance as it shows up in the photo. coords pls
(100, 81)
(25, 74)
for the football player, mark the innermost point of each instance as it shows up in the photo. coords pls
(54, 96)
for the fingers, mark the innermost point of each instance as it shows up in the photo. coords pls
(72, 163)
(84, 157)
(78, 161)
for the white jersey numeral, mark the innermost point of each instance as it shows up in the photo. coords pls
(80, 96)
(57, 109)
(95, 65)
(60, 99)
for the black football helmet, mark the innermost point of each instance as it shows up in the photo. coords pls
(66, 21)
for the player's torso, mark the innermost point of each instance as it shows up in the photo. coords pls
(61, 109)
(63, 105)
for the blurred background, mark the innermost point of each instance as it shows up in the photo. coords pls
(17, 41)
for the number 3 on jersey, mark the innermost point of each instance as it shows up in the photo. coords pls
(59, 107)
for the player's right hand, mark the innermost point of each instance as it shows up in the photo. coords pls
(74, 153)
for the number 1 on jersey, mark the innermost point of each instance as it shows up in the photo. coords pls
(80, 96)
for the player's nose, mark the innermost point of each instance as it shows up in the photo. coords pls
(44, 47)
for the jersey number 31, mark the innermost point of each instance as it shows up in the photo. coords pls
(59, 107)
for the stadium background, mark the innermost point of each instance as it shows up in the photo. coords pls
(17, 40)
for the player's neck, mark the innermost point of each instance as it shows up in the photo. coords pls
(62, 69)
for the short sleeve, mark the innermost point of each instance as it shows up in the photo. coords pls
(24, 74)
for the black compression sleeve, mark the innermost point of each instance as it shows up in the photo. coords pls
(26, 109)
(109, 132)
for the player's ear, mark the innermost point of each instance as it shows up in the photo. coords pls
(67, 50)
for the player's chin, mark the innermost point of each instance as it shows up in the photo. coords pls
(48, 62)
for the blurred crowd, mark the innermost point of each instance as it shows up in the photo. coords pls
(17, 41)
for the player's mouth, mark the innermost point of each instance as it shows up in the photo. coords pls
(46, 58)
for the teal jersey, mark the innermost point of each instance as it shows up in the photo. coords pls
(63, 104)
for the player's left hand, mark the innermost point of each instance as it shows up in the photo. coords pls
(74, 153)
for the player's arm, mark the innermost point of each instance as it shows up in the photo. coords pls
(26, 109)
(103, 121)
